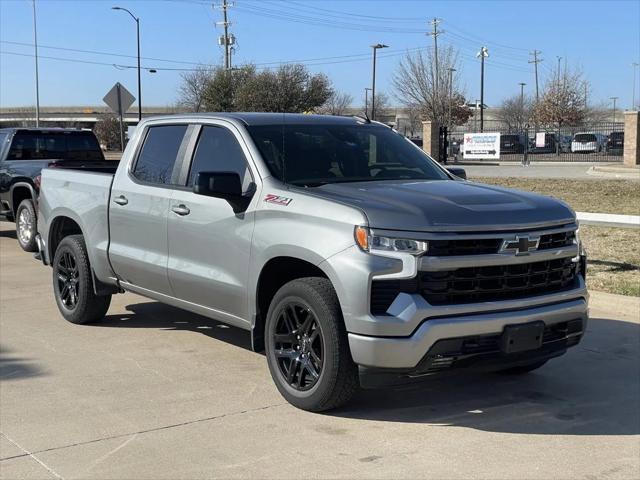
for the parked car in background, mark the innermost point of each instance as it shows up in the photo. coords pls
(615, 143)
(512, 143)
(348, 254)
(588, 143)
(565, 143)
(24, 152)
(550, 144)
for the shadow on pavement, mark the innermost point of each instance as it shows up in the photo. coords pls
(161, 316)
(12, 368)
(592, 390)
(8, 234)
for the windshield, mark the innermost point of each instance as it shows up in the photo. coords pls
(55, 145)
(312, 155)
(585, 137)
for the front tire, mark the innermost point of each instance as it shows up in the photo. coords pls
(26, 226)
(73, 283)
(307, 347)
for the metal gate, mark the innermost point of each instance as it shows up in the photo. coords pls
(591, 142)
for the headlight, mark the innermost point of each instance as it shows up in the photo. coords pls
(369, 242)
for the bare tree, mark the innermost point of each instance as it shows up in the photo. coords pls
(107, 130)
(563, 99)
(415, 83)
(382, 105)
(337, 104)
(191, 92)
(515, 112)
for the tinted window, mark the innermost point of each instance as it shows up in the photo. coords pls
(159, 152)
(54, 145)
(585, 137)
(317, 154)
(217, 151)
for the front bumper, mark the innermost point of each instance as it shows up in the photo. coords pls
(406, 353)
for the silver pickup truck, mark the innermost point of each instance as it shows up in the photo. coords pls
(348, 253)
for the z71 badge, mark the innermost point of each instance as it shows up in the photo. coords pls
(277, 199)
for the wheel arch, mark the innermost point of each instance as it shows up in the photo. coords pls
(20, 191)
(275, 273)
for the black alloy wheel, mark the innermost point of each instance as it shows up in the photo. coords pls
(68, 281)
(298, 346)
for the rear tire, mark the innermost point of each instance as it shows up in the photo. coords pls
(73, 283)
(26, 226)
(307, 347)
(523, 368)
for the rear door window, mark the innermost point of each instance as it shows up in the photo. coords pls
(159, 153)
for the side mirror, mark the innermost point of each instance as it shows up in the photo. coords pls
(225, 185)
(458, 172)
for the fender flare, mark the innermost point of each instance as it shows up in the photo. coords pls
(21, 184)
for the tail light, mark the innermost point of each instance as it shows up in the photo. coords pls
(37, 181)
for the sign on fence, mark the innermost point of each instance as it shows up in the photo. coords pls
(541, 138)
(481, 145)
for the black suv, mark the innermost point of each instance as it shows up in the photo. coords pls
(24, 152)
(615, 143)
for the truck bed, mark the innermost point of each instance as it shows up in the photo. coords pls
(84, 197)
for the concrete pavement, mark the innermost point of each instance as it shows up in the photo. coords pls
(154, 392)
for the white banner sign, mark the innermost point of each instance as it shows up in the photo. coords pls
(481, 145)
(540, 139)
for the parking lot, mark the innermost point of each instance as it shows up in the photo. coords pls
(155, 392)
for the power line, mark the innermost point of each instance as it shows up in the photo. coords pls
(99, 52)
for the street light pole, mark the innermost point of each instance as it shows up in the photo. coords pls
(633, 97)
(451, 70)
(614, 108)
(35, 41)
(483, 53)
(137, 19)
(373, 82)
(522, 84)
(366, 101)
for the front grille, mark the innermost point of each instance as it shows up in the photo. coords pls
(478, 284)
(475, 246)
(487, 246)
(488, 284)
(556, 240)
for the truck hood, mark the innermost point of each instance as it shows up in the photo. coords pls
(447, 205)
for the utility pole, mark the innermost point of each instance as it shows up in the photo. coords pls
(434, 23)
(634, 65)
(373, 79)
(559, 58)
(586, 91)
(227, 40)
(35, 41)
(535, 62)
(614, 108)
(482, 54)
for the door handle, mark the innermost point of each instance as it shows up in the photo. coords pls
(121, 200)
(181, 210)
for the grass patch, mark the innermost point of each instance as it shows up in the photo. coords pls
(595, 196)
(613, 259)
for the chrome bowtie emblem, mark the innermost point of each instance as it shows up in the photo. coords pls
(520, 245)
